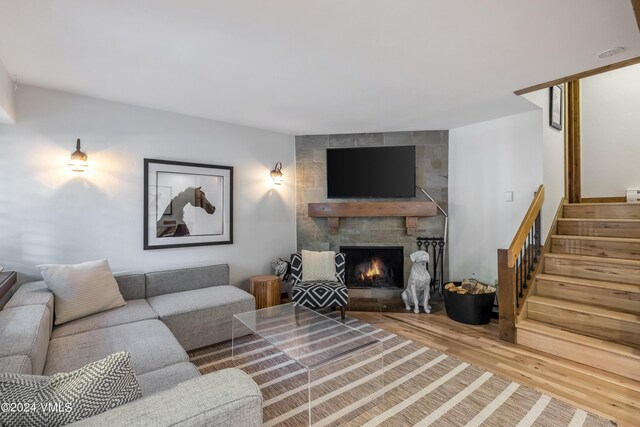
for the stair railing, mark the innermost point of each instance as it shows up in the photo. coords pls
(515, 266)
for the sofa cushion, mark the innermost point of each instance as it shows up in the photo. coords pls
(32, 293)
(131, 284)
(134, 311)
(86, 392)
(228, 397)
(150, 342)
(186, 279)
(320, 294)
(24, 331)
(167, 377)
(15, 365)
(81, 289)
(203, 316)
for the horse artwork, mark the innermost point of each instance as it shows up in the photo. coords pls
(187, 204)
(172, 223)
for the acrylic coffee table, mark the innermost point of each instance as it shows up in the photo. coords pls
(344, 366)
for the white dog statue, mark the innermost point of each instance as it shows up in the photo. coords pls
(417, 289)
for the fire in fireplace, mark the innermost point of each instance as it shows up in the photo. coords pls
(374, 266)
(376, 270)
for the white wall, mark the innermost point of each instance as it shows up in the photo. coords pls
(485, 160)
(552, 160)
(610, 132)
(6, 96)
(49, 214)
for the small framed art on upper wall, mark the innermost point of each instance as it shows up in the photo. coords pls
(555, 107)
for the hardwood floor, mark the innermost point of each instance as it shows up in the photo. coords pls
(600, 392)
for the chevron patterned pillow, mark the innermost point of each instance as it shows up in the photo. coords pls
(30, 400)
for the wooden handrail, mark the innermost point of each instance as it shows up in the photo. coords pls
(523, 231)
(516, 265)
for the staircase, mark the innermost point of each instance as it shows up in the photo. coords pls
(584, 301)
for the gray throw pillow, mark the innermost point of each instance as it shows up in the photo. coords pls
(30, 400)
(81, 289)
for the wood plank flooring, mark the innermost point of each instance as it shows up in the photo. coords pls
(603, 393)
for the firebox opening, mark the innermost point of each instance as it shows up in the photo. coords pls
(374, 266)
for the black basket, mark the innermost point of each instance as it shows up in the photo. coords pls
(472, 309)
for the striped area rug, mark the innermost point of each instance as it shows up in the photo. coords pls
(420, 386)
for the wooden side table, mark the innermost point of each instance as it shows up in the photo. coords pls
(7, 280)
(266, 290)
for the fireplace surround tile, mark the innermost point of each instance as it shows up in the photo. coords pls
(431, 171)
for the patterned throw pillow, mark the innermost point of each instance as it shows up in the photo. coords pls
(81, 289)
(32, 400)
(295, 273)
(318, 265)
(341, 264)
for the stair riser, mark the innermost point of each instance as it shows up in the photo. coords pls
(599, 228)
(598, 358)
(628, 302)
(629, 211)
(590, 324)
(596, 270)
(603, 248)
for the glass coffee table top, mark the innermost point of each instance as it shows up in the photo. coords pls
(310, 338)
(342, 367)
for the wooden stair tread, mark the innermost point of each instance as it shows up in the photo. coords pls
(623, 220)
(572, 337)
(618, 227)
(603, 204)
(601, 210)
(597, 238)
(596, 204)
(614, 286)
(606, 246)
(585, 308)
(596, 259)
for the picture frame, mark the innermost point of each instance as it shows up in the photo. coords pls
(187, 204)
(556, 101)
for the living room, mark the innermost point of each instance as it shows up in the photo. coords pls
(242, 89)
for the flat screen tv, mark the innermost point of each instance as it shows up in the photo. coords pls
(371, 172)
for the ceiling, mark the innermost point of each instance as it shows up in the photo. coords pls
(311, 67)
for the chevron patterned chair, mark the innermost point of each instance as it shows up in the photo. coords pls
(319, 293)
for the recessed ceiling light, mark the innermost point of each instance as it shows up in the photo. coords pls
(610, 52)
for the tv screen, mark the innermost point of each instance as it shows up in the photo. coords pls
(376, 172)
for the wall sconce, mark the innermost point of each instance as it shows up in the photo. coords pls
(276, 174)
(78, 161)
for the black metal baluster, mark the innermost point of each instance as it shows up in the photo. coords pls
(538, 225)
(527, 260)
(517, 287)
(523, 280)
(530, 253)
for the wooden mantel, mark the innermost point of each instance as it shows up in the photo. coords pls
(409, 210)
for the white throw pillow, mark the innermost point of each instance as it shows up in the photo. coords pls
(81, 289)
(318, 265)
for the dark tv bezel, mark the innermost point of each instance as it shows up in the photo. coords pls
(376, 148)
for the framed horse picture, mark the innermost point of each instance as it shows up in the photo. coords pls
(187, 204)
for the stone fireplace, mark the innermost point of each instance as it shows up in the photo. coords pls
(311, 187)
(374, 266)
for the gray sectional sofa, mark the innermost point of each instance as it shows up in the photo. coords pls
(167, 313)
